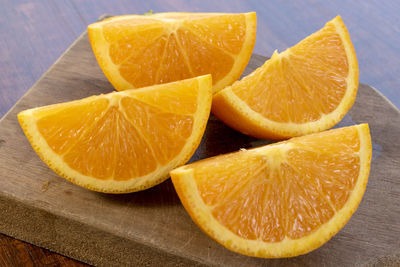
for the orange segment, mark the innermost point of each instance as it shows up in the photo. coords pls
(225, 32)
(93, 154)
(307, 88)
(173, 58)
(121, 142)
(176, 128)
(141, 68)
(62, 125)
(204, 57)
(135, 51)
(132, 44)
(279, 200)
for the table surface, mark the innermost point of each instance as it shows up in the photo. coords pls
(33, 34)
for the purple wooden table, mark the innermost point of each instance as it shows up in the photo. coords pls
(33, 34)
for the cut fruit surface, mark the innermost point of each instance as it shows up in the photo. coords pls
(124, 141)
(135, 51)
(307, 88)
(279, 200)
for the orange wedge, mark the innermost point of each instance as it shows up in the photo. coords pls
(307, 88)
(123, 141)
(279, 200)
(135, 51)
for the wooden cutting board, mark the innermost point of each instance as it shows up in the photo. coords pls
(151, 227)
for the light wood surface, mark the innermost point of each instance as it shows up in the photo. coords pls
(151, 227)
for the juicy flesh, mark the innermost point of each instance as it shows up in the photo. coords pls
(123, 136)
(151, 51)
(300, 84)
(289, 190)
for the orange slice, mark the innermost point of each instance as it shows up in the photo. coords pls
(135, 51)
(123, 141)
(279, 200)
(305, 89)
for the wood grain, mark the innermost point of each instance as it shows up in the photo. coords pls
(150, 227)
(18, 253)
